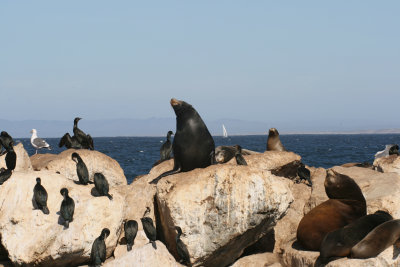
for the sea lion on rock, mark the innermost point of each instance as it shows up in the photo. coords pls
(382, 237)
(346, 203)
(273, 142)
(40, 197)
(338, 243)
(193, 145)
(224, 153)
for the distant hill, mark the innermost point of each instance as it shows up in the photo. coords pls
(160, 126)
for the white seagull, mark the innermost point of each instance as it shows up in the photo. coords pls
(37, 142)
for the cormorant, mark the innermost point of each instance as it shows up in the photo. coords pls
(98, 253)
(304, 173)
(40, 196)
(11, 159)
(4, 175)
(149, 228)
(182, 249)
(84, 139)
(69, 142)
(101, 184)
(238, 155)
(67, 207)
(166, 148)
(130, 228)
(81, 169)
(6, 141)
(394, 150)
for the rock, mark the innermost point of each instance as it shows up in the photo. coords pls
(318, 194)
(300, 258)
(221, 209)
(40, 161)
(387, 164)
(258, 260)
(145, 256)
(32, 238)
(95, 162)
(23, 161)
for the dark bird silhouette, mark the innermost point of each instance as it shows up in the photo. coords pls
(81, 169)
(101, 184)
(69, 142)
(98, 253)
(166, 148)
(304, 173)
(182, 249)
(238, 155)
(67, 207)
(6, 141)
(11, 159)
(394, 150)
(84, 139)
(130, 228)
(4, 175)
(149, 228)
(40, 197)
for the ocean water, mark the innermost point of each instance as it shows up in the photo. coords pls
(136, 155)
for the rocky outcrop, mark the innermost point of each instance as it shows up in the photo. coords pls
(221, 209)
(33, 238)
(145, 256)
(318, 194)
(23, 161)
(259, 260)
(387, 164)
(95, 162)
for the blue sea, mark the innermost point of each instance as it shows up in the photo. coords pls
(136, 155)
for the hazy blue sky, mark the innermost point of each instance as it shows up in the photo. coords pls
(268, 61)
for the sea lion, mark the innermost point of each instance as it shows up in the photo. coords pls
(101, 184)
(273, 142)
(149, 228)
(224, 154)
(238, 155)
(181, 248)
(67, 207)
(338, 243)
(40, 197)
(382, 237)
(98, 253)
(81, 169)
(346, 204)
(130, 228)
(193, 145)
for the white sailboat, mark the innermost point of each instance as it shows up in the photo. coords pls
(224, 132)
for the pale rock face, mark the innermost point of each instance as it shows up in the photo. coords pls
(95, 162)
(145, 256)
(258, 260)
(23, 161)
(221, 209)
(318, 194)
(387, 164)
(33, 238)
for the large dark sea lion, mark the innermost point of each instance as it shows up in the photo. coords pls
(273, 142)
(379, 239)
(346, 203)
(193, 145)
(338, 243)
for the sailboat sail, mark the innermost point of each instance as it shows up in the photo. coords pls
(224, 132)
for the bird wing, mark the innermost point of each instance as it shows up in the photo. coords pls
(39, 142)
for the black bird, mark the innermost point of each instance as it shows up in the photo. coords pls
(81, 169)
(98, 253)
(394, 150)
(238, 155)
(101, 184)
(182, 249)
(149, 228)
(67, 208)
(166, 148)
(40, 196)
(130, 228)
(6, 141)
(84, 139)
(69, 142)
(4, 175)
(11, 159)
(304, 173)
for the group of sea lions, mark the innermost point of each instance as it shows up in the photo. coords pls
(340, 226)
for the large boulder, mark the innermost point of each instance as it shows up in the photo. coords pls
(23, 162)
(145, 256)
(95, 162)
(221, 209)
(318, 194)
(387, 164)
(259, 260)
(33, 238)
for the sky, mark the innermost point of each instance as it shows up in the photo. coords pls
(299, 63)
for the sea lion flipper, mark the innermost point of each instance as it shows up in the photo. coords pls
(173, 171)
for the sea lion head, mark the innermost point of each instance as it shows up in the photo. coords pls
(340, 186)
(180, 106)
(273, 132)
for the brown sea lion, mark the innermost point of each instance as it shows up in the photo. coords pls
(273, 142)
(338, 243)
(346, 203)
(379, 239)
